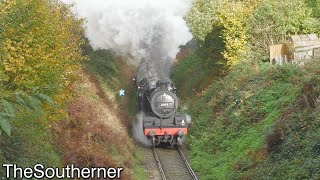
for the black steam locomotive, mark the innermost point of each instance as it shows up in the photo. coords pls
(158, 102)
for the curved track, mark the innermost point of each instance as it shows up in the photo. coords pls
(173, 164)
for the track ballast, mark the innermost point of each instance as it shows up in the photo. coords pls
(173, 164)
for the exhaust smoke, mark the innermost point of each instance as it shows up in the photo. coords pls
(136, 29)
(137, 131)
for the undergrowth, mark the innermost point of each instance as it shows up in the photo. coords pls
(30, 144)
(102, 65)
(260, 121)
(202, 67)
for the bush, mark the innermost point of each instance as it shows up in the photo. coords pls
(206, 60)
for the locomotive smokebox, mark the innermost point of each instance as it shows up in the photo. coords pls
(157, 99)
(164, 103)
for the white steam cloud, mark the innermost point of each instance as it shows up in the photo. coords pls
(152, 29)
(137, 131)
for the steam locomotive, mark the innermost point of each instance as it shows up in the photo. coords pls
(157, 100)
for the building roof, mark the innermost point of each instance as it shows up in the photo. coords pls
(305, 42)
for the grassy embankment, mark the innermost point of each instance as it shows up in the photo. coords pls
(251, 120)
(257, 122)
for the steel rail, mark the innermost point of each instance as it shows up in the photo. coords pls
(194, 176)
(163, 175)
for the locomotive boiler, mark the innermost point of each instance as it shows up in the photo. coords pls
(157, 100)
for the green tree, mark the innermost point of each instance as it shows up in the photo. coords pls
(315, 6)
(202, 17)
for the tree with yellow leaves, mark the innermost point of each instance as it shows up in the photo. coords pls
(40, 51)
(232, 16)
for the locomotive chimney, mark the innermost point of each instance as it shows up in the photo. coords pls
(163, 85)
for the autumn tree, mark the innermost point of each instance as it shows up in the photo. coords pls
(40, 51)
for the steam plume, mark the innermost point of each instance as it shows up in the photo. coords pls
(151, 29)
(137, 131)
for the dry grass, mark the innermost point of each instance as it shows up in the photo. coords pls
(95, 133)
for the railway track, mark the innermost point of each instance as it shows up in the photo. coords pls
(173, 164)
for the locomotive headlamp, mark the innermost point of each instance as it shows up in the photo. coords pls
(152, 133)
(180, 133)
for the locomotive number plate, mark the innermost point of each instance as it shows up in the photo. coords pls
(164, 104)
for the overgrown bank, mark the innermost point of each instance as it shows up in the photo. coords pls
(41, 52)
(258, 122)
(97, 129)
(251, 120)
